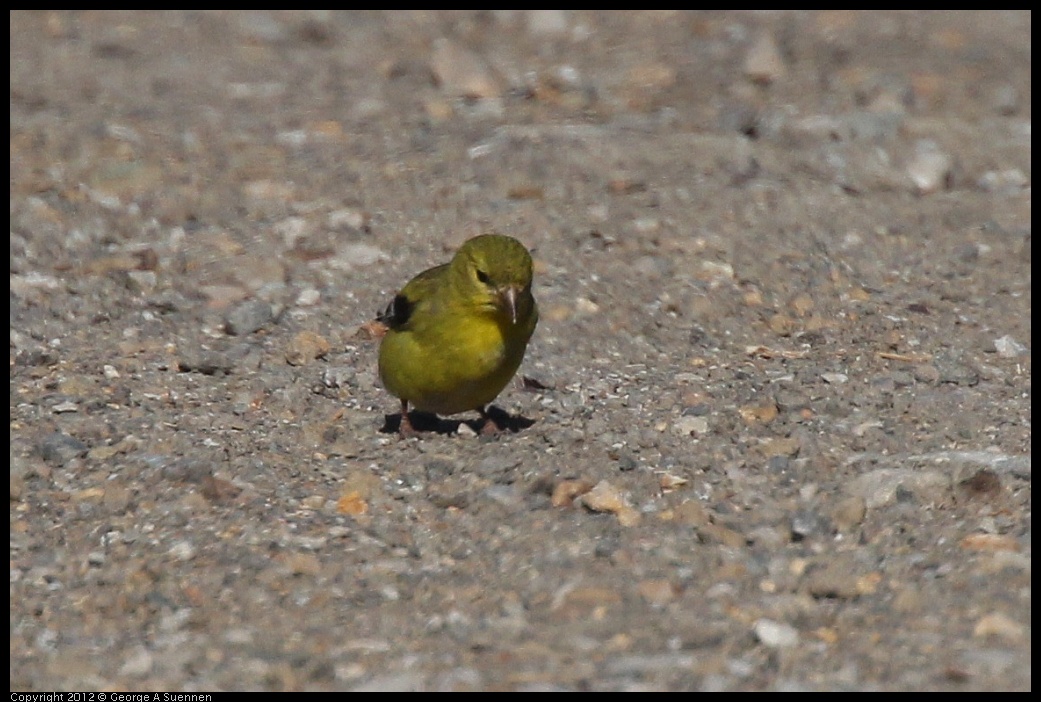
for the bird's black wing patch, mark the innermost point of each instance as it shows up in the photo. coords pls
(419, 292)
(397, 313)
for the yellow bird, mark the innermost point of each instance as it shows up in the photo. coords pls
(457, 332)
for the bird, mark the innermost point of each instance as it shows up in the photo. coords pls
(457, 332)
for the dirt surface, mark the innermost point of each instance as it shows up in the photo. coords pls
(773, 430)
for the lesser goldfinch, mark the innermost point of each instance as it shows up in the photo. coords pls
(457, 332)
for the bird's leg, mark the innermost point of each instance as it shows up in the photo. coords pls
(405, 427)
(490, 426)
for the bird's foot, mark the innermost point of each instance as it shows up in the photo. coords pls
(495, 421)
(405, 428)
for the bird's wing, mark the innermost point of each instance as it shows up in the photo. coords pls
(419, 292)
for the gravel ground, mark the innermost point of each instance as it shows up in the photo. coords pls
(772, 433)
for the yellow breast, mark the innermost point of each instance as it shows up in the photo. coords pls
(456, 372)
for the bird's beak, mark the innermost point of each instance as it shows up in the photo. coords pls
(509, 299)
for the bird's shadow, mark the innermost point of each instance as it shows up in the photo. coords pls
(427, 422)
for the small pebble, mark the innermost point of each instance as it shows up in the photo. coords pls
(248, 317)
(775, 634)
(306, 346)
(605, 497)
(1000, 626)
(461, 72)
(929, 167)
(59, 449)
(657, 592)
(308, 297)
(182, 551)
(849, 513)
(138, 664)
(806, 524)
(764, 63)
(833, 581)
(338, 377)
(1007, 347)
(691, 426)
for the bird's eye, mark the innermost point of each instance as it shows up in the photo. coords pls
(483, 277)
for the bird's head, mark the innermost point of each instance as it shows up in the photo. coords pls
(494, 271)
